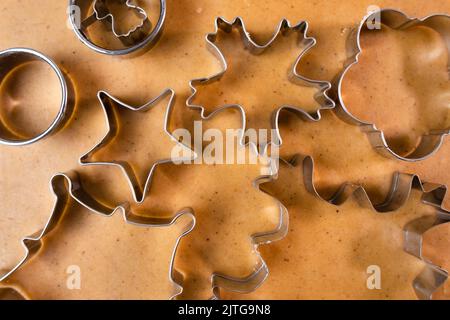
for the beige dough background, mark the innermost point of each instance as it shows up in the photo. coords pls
(222, 238)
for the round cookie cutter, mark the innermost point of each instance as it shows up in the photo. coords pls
(132, 40)
(11, 59)
(429, 143)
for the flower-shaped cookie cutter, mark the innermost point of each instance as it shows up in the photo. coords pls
(138, 37)
(429, 143)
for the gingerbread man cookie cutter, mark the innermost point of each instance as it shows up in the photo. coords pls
(218, 281)
(137, 38)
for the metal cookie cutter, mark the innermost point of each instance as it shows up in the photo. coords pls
(67, 187)
(12, 58)
(394, 19)
(253, 281)
(432, 277)
(218, 281)
(254, 48)
(109, 103)
(139, 37)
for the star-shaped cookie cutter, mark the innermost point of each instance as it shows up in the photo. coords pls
(284, 26)
(432, 277)
(67, 187)
(431, 142)
(108, 104)
(135, 39)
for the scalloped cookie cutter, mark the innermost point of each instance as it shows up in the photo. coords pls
(139, 37)
(66, 187)
(11, 59)
(429, 143)
(254, 48)
(432, 277)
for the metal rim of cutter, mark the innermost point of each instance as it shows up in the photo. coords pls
(431, 142)
(149, 39)
(14, 57)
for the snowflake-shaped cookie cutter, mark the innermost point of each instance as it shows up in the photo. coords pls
(321, 97)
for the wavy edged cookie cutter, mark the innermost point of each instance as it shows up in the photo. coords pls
(137, 38)
(108, 103)
(12, 58)
(429, 143)
(432, 277)
(254, 48)
(67, 187)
